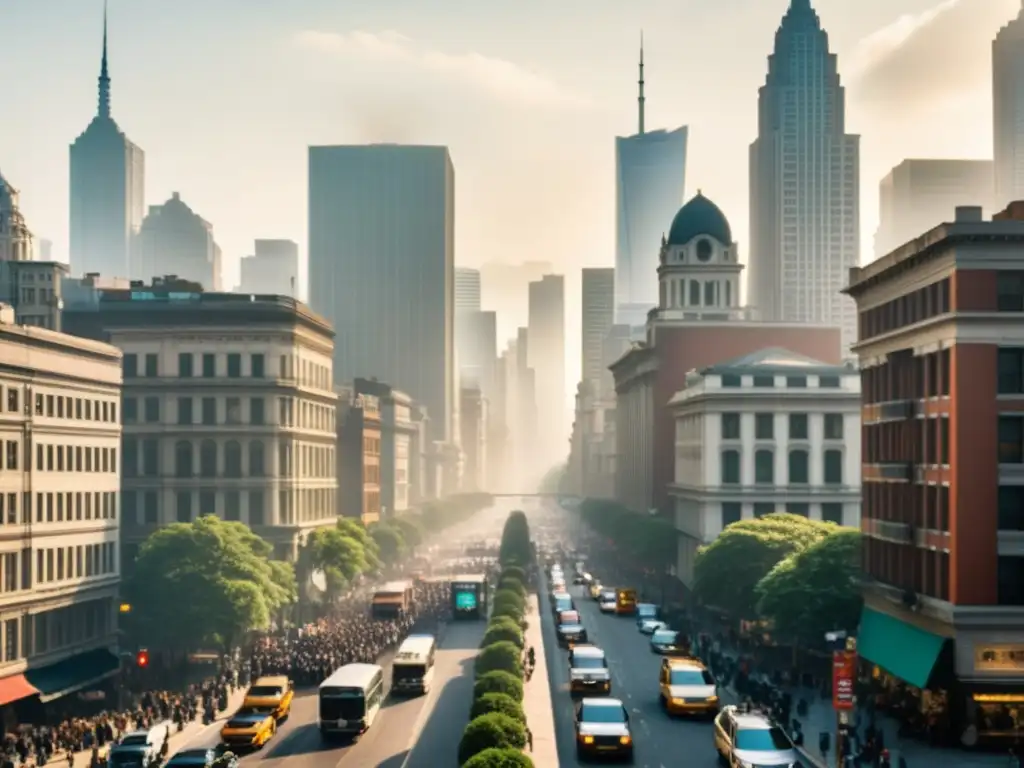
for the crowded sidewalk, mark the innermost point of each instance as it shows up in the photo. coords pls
(537, 704)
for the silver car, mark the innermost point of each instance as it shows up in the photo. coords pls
(745, 738)
(650, 626)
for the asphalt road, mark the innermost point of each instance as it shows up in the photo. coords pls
(660, 741)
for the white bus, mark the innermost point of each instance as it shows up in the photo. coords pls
(350, 699)
(413, 667)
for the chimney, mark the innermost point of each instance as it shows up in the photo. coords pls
(968, 214)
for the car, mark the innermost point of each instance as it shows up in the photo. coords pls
(595, 590)
(563, 602)
(745, 737)
(650, 626)
(588, 671)
(139, 749)
(687, 688)
(607, 601)
(274, 691)
(667, 642)
(249, 727)
(602, 729)
(570, 631)
(201, 758)
(645, 611)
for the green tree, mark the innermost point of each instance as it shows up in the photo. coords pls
(640, 537)
(514, 572)
(354, 529)
(340, 557)
(499, 757)
(515, 541)
(503, 656)
(389, 543)
(504, 630)
(409, 528)
(497, 702)
(493, 730)
(498, 682)
(727, 571)
(815, 590)
(513, 585)
(208, 581)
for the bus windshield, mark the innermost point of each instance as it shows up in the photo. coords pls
(342, 708)
(409, 671)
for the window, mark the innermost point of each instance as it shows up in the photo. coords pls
(234, 365)
(185, 365)
(828, 382)
(1011, 508)
(209, 365)
(12, 454)
(764, 467)
(798, 508)
(13, 400)
(1011, 440)
(150, 457)
(130, 410)
(152, 366)
(257, 411)
(233, 410)
(130, 507)
(257, 459)
(764, 381)
(183, 505)
(1011, 580)
(1011, 371)
(730, 426)
(833, 426)
(732, 380)
(232, 459)
(694, 293)
(796, 382)
(258, 366)
(151, 507)
(764, 426)
(730, 467)
(832, 513)
(129, 457)
(762, 508)
(207, 501)
(833, 467)
(208, 459)
(185, 415)
(732, 512)
(209, 411)
(131, 366)
(1010, 292)
(257, 513)
(152, 409)
(232, 506)
(798, 463)
(798, 426)
(183, 459)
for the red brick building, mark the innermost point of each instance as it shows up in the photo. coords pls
(941, 347)
(698, 323)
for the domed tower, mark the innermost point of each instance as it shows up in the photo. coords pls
(699, 269)
(15, 237)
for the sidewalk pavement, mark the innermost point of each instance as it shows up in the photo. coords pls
(178, 739)
(537, 704)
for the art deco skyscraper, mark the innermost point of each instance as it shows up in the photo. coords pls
(1008, 111)
(107, 191)
(598, 315)
(804, 189)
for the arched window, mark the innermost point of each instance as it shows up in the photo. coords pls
(833, 467)
(730, 467)
(183, 459)
(257, 459)
(798, 467)
(232, 459)
(208, 458)
(764, 467)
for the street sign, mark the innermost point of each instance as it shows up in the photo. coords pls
(844, 677)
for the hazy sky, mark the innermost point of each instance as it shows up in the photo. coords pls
(225, 95)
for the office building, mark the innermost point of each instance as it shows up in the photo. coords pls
(941, 334)
(59, 561)
(477, 343)
(804, 183)
(918, 193)
(174, 240)
(546, 356)
(768, 432)
(359, 456)
(44, 249)
(228, 410)
(467, 289)
(382, 267)
(398, 433)
(504, 288)
(598, 315)
(272, 269)
(473, 416)
(107, 200)
(1008, 111)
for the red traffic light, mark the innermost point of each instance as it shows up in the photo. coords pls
(142, 658)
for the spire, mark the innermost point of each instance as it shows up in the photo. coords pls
(104, 105)
(640, 100)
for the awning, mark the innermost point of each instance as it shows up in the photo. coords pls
(73, 674)
(15, 687)
(902, 649)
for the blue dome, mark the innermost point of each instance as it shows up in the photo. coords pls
(699, 217)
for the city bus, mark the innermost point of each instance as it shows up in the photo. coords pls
(413, 666)
(350, 700)
(469, 597)
(392, 600)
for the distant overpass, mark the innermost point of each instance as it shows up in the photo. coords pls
(564, 499)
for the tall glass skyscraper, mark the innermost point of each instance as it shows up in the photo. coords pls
(650, 178)
(804, 183)
(1008, 111)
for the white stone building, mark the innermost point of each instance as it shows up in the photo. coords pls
(60, 436)
(768, 432)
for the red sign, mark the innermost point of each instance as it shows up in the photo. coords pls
(844, 676)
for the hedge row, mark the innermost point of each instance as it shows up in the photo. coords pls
(496, 734)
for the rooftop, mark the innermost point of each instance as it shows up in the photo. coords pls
(775, 360)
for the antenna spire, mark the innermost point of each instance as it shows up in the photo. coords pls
(104, 105)
(641, 99)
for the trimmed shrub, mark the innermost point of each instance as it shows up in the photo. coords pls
(500, 657)
(516, 548)
(514, 572)
(503, 631)
(497, 702)
(491, 731)
(499, 758)
(512, 585)
(509, 596)
(507, 611)
(498, 682)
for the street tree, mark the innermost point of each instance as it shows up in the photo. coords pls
(727, 571)
(515, 540)
(409, 528)
(389, 543)
(354, 529)
(340, 557)
(815, 590)
(205, 582)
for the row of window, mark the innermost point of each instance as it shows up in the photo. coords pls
(251, 507)
(82, 561)
(922, 304)
(764, 426)
(75, 458)
(732, 380)
(799, 467)
(732, 511)
(67, 627)
(924, 507)
(1011, 439)
(917, 441)
(212, 365)
(215, 411)
(371, 446)
(141, 458)
(58, 506)
(61, 406)
(906, 376)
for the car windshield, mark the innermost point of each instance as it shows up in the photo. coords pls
(570, 617)
(563, 604)
(666, 636)
(602, 713)
(691, 677)
(762, 740)
(266, 690)
(246, 711)
(587, 662)
(607, 596)
(134, 738)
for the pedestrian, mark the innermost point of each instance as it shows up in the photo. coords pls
(529, 739)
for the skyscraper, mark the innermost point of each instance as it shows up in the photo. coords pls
(1008, 111)
(467, 289)
(546, 356)
(650, 179)
(273, 268)
(175, 240)
(598, 315)
(107, 190)
(804, 171)
(382, 267)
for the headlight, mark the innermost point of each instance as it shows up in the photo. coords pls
(625, 739)
(678, 702)
(712, 699)
(588, 739)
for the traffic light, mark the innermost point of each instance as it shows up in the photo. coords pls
(142, 658)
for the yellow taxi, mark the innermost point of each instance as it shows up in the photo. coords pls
(275, 692)
(249, 727)
(595, 590)
(687, 688)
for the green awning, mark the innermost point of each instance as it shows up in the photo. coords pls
(901, 649)
(73, 674)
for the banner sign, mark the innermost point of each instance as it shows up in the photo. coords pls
(844, 676)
